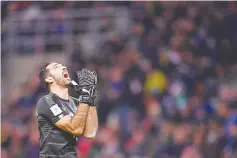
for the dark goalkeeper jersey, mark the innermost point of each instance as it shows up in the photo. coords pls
(55, 142)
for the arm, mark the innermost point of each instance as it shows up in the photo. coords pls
(48, 109)
(76, 124)
(91, 123)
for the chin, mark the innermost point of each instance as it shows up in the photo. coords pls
(67, 82)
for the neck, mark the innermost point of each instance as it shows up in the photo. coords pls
(61, 92)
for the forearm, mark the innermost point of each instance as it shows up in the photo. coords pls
(78, 121)
(91, 123)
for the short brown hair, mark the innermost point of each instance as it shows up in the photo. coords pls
(43, 74)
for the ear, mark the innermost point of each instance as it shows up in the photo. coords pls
(49, 79)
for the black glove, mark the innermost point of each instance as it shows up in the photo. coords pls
(94, 91)
(87, 86)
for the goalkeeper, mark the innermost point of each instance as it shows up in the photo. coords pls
(62, 118)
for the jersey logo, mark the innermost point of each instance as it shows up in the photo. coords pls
(85, 90)
(56, 110)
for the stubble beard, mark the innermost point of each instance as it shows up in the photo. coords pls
(61, 82)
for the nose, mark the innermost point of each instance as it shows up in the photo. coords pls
(64, 68)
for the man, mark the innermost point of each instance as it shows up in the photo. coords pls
(62, 118)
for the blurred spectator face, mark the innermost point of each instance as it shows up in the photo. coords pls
(106, 136)
(145, 65)
(135, 56)
(4, 153)
(190, 152)
(227, 93)
(187, 57)
(116, 74)
(199, 88)
(222, 110)
(179, 135)
(101, 135)
(186, 25)
(116, 39)
(13, 6)
(105, 21)
(176, 40)
(198, 138)
(153, 108)
(167, 128)
(164, 58)
(213, 125)
(103, 72)
(113, 122)
(138, 29)
(188, 128)
(138, 135)
(233, 130)
(192, 12)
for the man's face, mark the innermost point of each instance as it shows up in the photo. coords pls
(58, 73)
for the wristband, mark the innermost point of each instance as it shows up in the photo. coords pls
(86, 99)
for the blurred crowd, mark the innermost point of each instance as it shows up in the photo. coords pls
(167, 88)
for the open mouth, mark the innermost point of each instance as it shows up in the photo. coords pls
(65, 75)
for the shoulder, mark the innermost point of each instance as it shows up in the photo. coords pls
(45, 102)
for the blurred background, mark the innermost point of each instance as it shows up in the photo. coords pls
(167, 75)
